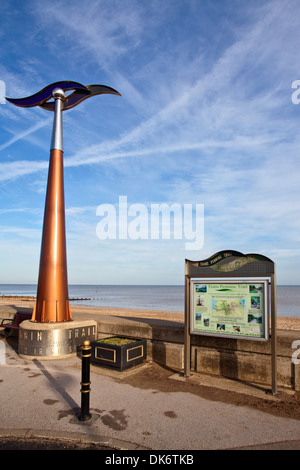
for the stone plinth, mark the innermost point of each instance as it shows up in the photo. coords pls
(54, 340)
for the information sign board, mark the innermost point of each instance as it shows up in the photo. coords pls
(230, 308)
(230, 295)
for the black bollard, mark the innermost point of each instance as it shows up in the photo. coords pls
(85, 414)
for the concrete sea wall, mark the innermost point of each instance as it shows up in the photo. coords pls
(239, 359)
(244, 360)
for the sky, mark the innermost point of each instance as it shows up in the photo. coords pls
(208, 118)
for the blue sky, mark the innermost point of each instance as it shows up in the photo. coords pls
(206, 117)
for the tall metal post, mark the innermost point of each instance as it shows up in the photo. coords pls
(52, 302)
(85, 414)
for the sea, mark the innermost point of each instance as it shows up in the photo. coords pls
(170, 298)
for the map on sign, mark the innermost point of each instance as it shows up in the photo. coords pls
(225, 307)
(230, 308)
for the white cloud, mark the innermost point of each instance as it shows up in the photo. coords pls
(205, 116)
(24, 134)
(17, 169)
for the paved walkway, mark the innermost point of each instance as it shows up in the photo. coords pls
(41, 399)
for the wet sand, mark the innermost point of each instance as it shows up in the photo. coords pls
(283, 323)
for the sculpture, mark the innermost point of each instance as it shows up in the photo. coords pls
(52, 301)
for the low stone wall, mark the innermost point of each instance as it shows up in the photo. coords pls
(247, 360)
(244, 360)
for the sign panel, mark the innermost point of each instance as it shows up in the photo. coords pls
(237, 308)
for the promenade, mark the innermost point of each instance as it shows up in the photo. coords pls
(147, 407)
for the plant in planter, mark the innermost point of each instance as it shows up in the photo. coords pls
(118, 352)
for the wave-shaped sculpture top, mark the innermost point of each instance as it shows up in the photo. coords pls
(42, 97)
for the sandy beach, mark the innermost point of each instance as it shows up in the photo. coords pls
(283, 323)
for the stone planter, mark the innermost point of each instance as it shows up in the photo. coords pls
(118, 352)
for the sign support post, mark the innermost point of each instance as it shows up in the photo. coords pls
(187, 336)
(274, 333)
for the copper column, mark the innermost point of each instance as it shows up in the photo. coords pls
(52, 302)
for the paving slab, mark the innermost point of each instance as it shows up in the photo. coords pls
(42, 398)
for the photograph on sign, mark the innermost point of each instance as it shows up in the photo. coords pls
(235, 308)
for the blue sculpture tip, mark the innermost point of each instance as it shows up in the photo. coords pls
(42, 97)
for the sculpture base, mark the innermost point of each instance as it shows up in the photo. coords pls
(54, 340)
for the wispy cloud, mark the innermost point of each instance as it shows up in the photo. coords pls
(24, 134)
(205, 115)
(20, 232)
(215, 105)
(17, 169)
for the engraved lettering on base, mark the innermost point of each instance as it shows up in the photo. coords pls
(56, 342)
